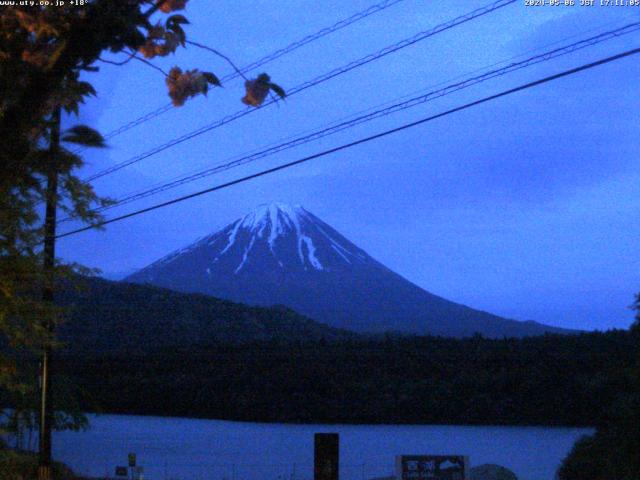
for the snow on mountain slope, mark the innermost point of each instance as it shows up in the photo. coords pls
(282, 254)
(289, 234)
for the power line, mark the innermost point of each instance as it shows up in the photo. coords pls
(361, 141)
(140, 120)
(410, 103)
(388, 102)
(266, 59)
(310, 38)
(169, 106)
(311, 83)
(160, 186)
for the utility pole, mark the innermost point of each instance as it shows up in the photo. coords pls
(46, 405)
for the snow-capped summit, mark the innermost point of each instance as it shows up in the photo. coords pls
(274, 235)
(281, 226)
(283, 254)
(281, 215)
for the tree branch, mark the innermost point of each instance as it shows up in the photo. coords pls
(213, 50)
(131, 55)
(150, 64)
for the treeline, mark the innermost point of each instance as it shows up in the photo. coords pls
(547, 380)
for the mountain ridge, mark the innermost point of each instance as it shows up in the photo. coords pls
(114, 316)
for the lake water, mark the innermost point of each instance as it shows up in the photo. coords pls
(190, 449)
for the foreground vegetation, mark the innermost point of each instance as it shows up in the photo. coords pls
(15, 465)
(612, 452)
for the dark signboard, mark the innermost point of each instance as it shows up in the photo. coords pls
(326, 456)
(121, 472)
(432, 467)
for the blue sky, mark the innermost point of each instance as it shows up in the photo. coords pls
(526, 207)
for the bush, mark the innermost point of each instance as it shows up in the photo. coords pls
(24, 466)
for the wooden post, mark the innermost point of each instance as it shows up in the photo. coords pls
(326, 456)
(46, 405)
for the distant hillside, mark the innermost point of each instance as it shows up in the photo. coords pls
(109, 316)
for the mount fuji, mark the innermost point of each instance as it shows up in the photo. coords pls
(284, 255)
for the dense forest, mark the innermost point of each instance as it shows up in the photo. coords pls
(547, 380)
